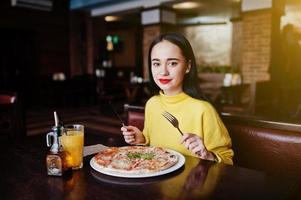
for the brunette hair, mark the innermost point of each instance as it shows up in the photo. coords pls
(190, 82)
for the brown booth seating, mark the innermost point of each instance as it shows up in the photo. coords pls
(262, 145)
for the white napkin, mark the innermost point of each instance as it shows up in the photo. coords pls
(92, 149)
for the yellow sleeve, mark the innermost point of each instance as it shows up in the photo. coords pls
(216, 137)
(147, 120)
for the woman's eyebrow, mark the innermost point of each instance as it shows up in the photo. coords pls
(168, 59)
(177, 59)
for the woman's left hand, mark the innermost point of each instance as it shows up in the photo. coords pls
(196, 144)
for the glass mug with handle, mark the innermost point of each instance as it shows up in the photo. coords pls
(73, 141)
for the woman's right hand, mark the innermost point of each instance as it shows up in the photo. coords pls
(132, 135)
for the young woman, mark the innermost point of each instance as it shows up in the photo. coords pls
(173, 75)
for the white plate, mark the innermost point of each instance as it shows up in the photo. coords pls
(179, 164)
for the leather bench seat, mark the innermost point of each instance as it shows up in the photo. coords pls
(264, 145)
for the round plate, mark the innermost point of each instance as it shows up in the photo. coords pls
(103, 178)
(180, 163)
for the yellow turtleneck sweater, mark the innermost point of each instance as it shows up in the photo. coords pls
(195, 116)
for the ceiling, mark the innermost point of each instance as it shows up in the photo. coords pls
(90, 4)
(208, 11)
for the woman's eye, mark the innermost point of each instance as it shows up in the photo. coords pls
(173, 64)
(156, 64)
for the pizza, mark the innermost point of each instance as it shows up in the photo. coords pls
(135, 159)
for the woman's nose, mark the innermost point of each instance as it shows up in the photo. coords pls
(163, 70)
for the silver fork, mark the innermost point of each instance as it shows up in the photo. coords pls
(172, 120)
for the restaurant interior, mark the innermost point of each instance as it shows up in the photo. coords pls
(87, 60)
(84, 54)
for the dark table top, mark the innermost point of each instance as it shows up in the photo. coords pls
(23, 176)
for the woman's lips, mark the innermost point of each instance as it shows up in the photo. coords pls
(164, 81)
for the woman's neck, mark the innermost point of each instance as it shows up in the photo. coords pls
(172, 93)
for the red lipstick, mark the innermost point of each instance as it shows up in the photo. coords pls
(164, 81)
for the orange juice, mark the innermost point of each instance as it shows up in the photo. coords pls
(73, 142)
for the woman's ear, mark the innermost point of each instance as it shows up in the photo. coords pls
(188, 67)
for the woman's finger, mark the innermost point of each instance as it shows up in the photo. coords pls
(184, 137)
(191, 139)
(129, 137)
(123, 129)
(130, 141)
(197, 149)
(193, 145)
(128, 133)
(128, 128)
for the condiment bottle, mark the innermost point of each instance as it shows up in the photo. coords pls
(57, 160)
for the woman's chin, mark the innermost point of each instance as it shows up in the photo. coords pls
(164, 87)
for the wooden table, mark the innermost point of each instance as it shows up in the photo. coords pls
(23, 176)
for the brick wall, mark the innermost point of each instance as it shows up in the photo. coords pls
(149, 33)
(256, 45)
(237, 39)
